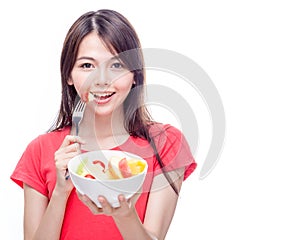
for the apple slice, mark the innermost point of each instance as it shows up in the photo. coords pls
(113, 168)
(118, 168)
(124, 168)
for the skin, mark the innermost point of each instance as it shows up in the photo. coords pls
(42, 217)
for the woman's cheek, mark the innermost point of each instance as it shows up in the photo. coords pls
(125, 82)
(82, 85)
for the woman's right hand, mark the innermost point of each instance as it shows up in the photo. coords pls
(70, 147)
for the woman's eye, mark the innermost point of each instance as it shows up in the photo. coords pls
(117, 65)
(87, 65)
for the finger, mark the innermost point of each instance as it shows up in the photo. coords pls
(89, 203)
(106, 207)
(82, 197)
(123, 202)
(74, 147)
(66, 154)
(69, 139)
(63, 160)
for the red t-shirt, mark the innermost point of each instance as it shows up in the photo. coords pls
(37, 169)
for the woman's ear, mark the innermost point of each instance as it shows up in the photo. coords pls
(70, 81)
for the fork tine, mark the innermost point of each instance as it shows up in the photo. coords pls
(79, 107)
(82, 105)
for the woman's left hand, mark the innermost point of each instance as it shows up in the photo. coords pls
(125, 209)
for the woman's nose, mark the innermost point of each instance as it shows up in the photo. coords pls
(99, 77)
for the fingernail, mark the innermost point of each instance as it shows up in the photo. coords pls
(101, 200)
(122, 198)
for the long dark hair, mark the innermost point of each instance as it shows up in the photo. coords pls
(120, 38)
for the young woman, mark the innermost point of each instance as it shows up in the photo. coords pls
(93, 62)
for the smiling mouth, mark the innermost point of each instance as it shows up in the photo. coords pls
(102, 96)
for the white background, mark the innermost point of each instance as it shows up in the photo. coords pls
(251, 51)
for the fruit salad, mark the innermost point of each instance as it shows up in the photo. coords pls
(117, 168)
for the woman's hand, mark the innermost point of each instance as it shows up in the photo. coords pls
(125, 216)
(126, 206)
(69, 148)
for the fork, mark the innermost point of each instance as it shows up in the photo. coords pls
(76, 119)
(78, 113)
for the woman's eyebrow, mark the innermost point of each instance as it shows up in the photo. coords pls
(85, 58)
(116, 57)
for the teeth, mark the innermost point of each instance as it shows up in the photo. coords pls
(98, 95)
(92, 95)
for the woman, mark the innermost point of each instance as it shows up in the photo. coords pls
(101, 56)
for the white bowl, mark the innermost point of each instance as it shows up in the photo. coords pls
(109, 188)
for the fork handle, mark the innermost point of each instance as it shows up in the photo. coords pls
(77, 129)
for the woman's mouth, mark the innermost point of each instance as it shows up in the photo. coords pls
(101, 98)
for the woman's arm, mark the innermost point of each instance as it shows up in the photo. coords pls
(35, 205)
(42, 219)
(162, 203)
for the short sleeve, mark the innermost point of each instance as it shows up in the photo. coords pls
(173, 150)
(28, 169)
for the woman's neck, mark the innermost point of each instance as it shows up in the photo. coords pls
(103, 132)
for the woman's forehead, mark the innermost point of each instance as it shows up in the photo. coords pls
(92, 46)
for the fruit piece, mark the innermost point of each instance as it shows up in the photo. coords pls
(119, 168)
(90, 97)
(89, 176)
(81, 168)
(100, 163)
(136, 166)
(113, 168)
(124, 168)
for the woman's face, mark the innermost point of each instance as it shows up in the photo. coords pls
(99, 73)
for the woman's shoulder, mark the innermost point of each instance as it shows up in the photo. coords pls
(173, 148)
(158, 129)
(50, 138)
